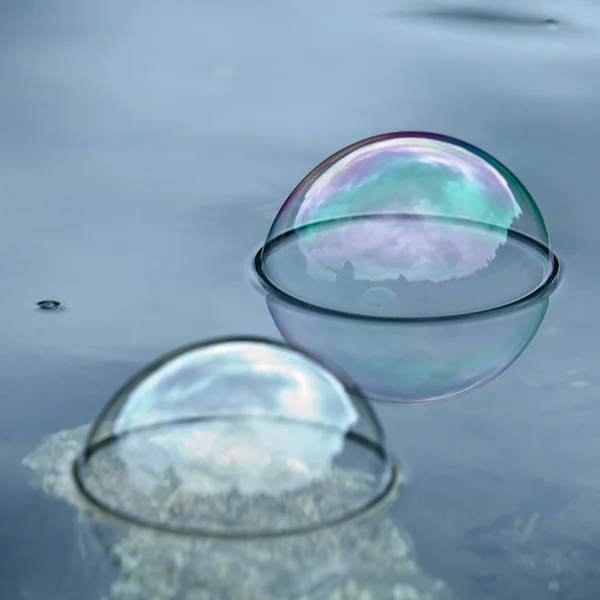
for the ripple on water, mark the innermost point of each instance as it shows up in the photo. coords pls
(498, 19)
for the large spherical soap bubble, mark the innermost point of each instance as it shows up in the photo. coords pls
(248, 418)
(381, 257)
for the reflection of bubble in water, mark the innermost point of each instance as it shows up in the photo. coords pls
(407, 174)
(381, 256)
(239, 418)
(411, 362)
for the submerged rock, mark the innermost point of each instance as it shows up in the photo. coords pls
(384, 568)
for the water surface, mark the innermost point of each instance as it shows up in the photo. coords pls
(145, 148)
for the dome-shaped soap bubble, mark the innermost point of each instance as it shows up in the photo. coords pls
(248, 422)
(440, 224)
(415, 262)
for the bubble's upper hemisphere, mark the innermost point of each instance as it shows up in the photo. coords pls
(407, 175)
(248, 416)
(234, 379)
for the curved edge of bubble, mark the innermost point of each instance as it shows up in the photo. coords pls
(451, 397)
(330, 160)
(385, 493)
(541, 291)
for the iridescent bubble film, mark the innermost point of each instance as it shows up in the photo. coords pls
(244, 419)
(408, 208)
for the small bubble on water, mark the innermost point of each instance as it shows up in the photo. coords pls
(49, 305)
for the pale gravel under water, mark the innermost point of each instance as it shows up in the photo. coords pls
(384, 569)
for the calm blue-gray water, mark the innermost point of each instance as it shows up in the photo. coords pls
(145, 147)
